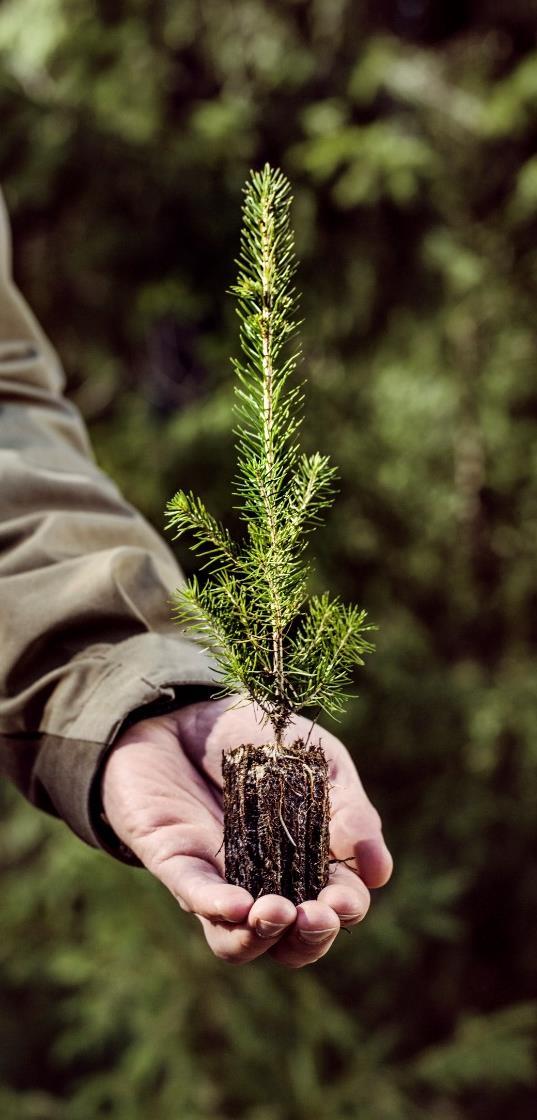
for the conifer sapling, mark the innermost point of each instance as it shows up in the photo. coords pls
(273, 644)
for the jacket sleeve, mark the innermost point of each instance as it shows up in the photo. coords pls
(87, 643)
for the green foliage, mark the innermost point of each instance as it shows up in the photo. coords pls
(498, 1048)
(419, 272)
(285, 652)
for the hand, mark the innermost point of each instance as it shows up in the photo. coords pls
(161, 794)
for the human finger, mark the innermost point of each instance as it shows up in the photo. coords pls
(314, 931)
(268, 920)
(347, 895)
(356, 836)
(199, 887)
(374, 861)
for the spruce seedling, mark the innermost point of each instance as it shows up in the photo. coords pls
(273, 644)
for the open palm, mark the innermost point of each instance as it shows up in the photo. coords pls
(162, 796)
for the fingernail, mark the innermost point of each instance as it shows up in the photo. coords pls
(268, 929)
(314, 936)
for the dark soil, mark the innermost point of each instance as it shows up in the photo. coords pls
(276, 819)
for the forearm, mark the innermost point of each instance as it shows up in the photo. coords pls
(84, 586)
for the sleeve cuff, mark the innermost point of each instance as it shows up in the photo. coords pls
(148, 674)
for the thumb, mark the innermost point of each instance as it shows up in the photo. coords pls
(356, 835)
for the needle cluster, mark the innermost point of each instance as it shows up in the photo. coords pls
(286, 650)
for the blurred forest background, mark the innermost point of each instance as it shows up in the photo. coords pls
(409, 130)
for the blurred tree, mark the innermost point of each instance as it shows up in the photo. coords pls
(409, 131)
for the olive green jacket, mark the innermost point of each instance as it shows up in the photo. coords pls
(87, 644)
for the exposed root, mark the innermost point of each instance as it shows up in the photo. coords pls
(285, 828)
(347, 862)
